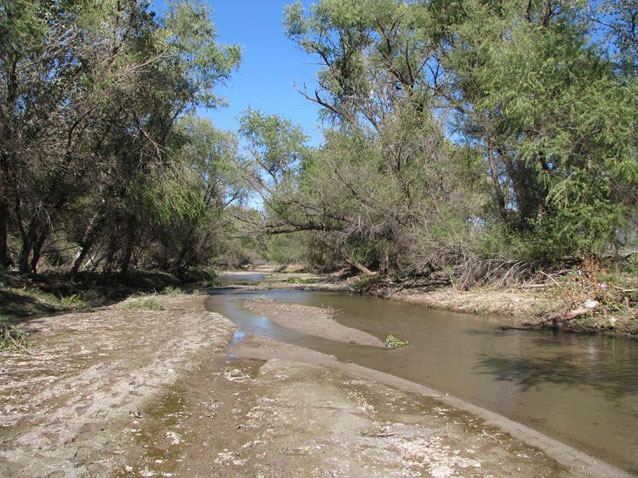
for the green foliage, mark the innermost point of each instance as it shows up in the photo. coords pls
(191, 38)
(78, 82)
(143, 304)
(632, 265)
(454, 132)
(173, 291)
(72, 301)
(277, 147)
(522, 166)
(300, 280)
(393, 343)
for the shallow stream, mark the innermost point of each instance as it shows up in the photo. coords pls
(579, 389)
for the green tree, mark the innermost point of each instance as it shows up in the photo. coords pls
(90, 94)
(554, 160)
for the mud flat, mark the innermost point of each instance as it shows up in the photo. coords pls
(309, 320)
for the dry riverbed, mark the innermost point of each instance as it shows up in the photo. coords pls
(154, 393)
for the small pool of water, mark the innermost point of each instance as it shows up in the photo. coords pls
(579, 389)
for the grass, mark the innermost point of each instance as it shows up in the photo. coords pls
(300, 280)
(392, 342)
(173, 291)
(72, 301)
(143, 304)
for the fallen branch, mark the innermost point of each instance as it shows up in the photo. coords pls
(564, 317)
(625, 291)
(7, 335)
(361, 268)
(552, 279)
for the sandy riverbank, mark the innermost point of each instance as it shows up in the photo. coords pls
(154, 393)
(65, 406)
(521, 305)
(315, 321)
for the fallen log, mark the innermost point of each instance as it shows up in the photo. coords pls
(361, 268)
(534, 286)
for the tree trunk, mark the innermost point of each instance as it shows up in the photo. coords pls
(80, 259)
(126, 259)
(87, 243)
(23, 257)
(498, 190)
(186, 247)
(4, 234)
(110, 255)
(130, 245)
(37, 249)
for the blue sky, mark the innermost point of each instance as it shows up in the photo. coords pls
(271, 64)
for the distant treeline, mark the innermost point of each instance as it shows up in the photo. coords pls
(476, 136)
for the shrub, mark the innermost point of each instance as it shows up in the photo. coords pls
(393, 343)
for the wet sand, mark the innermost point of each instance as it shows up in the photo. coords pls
(309, 320)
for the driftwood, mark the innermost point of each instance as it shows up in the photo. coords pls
(361, 268)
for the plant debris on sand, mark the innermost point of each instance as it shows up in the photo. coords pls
(590, 298)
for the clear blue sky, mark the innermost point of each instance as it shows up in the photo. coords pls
(271, 64)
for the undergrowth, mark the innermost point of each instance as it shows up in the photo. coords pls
(300, 280)
(172, 291)
(13, 338)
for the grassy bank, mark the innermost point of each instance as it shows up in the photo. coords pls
(25, 296)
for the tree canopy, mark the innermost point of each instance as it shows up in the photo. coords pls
(456, 134)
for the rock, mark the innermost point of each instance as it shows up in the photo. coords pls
(590, 304)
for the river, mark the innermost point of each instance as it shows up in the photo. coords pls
(579, 389)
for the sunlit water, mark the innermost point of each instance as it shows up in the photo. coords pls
(579, 389)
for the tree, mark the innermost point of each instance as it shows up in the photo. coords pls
(554, 160)
(90, 96)
(454, 124)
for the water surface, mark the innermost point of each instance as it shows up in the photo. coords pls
(579, 389)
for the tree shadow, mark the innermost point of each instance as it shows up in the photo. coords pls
(615, 378)
(15, 308)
